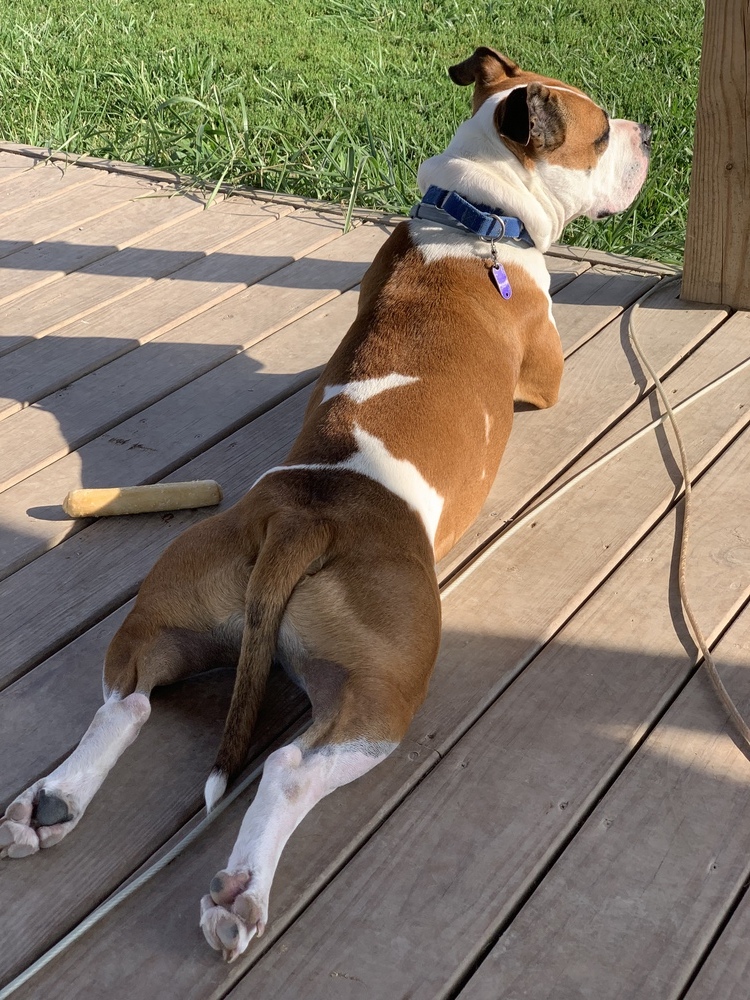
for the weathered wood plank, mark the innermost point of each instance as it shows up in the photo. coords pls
(48, 261)
(638, 896)
(602, 381)
(587, 305)
(619, 261)
(89, 198)
(33, 188)
(724, 976)
(62, 422)
(717, 243)
(11, 164)
(728, 347)
(45, 363)
(56, 306)
(41, 368)
(496, 620)
(37, 369)
(22, 149)
(30, 514)
(562, 272)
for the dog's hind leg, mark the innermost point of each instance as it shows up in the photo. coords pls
(181, 625)
(47, 811)
(187, 619)
(364, 690)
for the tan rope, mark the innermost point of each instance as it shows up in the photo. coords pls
(708, 661)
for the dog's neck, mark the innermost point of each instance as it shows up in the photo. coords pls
(478, 165)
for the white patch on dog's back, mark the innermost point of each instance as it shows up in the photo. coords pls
(364, 389)
(399, 476)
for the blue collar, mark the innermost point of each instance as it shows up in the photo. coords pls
(482, 220)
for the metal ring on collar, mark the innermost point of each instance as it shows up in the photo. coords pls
(501, 220)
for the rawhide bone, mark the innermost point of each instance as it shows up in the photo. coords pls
(142, 499)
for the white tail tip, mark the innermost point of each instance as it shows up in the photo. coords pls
(215, 788)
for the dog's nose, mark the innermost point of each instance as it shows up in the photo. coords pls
(645, 131)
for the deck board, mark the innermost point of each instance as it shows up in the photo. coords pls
(83, 242)
(648, 882)
(124, 320)
(68, 208)
(26, 193)
(39, 434)
(18, 504)
(166, 254)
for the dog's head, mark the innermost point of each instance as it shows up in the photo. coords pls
(590, 163)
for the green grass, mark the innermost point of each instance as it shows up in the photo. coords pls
(340, 99)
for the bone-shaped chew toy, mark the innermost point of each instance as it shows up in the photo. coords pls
(142, 499)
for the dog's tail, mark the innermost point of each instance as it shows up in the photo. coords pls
(290, 545)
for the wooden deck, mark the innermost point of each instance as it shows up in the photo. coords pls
(570, 815)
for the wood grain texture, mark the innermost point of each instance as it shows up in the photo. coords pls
(64, 421)
(77, 295)
(85, 198)
(193, 281)
(144, 448)
(619, 261)
(724, 976)
(495, 621)
(717, 244)
(725, 350)
(587, 305)
(12, 165)
(633, 904)
(72, 248)
(29, 511)
(562, 272)
(33, 188)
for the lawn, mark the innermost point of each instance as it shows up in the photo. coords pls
(340, 100)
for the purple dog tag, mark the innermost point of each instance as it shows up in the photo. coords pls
(500, 279)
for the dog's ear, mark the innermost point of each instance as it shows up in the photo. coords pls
(532, 116)
(512, 116)
(485, 68)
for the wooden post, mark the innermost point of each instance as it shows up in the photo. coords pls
(717, 245)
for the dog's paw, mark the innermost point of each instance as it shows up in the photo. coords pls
(17, 840)
(232, 916)
(40, 817)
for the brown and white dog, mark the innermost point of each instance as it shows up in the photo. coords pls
(328, 563)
